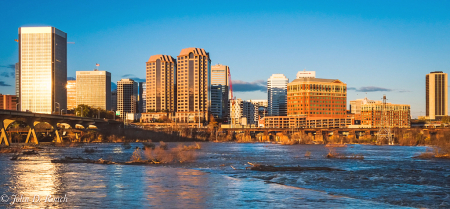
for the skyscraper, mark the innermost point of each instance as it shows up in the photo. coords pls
(277, 95)
(436, 95)
(219, 76)
(43, 69)
(71, 94)
(144, 97)
(160, 84)
(94, 89)
(127, 90)
(193, 85)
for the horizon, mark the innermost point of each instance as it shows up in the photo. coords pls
(376, 48)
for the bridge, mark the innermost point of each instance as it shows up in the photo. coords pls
(32, 119)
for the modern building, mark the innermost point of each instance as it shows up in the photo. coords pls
(114, 100)
(160, 84)
(306, 74)
(220, 76)
(398, 115)
(8, 102)
(127, 91)
(236, 111)
(144, 98)
(71, 94)
(217, 101)
(355, 105)
(276, 95)
(250, 112)
(305, 122)
(436, 95)
(94, 89)
(317, 97)
(17, 77)
(43, 69)
(193, 85)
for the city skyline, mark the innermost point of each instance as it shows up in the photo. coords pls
(375, 48)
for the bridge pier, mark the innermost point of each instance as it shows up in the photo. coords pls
(54, 123)
(31, 123)
(4, 123)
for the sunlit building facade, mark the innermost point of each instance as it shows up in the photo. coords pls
(94, 89)
(436, 95)
(71, 94)
(398, 115)
(160, 84)
(43, 69)
(193, 85)
(220, 76)
(8, 102)
(276, 95)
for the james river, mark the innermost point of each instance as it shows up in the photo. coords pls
(387, 178)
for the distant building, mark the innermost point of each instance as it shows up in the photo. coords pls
(71, 94)
(140, 95)
(144, 98)
(160, 84)
(305, 122)
(306, 74)
(317, 97)
(219, 76)
(243, 112)
(436, 95)
(277, 95)
(217, 100)
(94, 89)
(114, 100)
(8, 102)
(250, 112)
(399, 115)
(355, 105)
(43, 69)
(259, 102)
(193, 85)
(236, 111)
(17, 77)
(127, 90)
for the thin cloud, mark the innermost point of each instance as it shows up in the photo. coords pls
(2, 83)
(243, 86)
(4, 74)
(128, 75)
(131, 76)
(71, 78)
(369, 89)
(8, 66)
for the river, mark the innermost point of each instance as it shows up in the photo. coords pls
(388, 177)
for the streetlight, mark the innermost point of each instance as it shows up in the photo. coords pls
(61, 111)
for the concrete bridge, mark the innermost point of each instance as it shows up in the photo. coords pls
(32, 119)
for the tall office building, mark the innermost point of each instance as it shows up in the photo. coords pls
(43, 69)
(277, 95)
(144, 97)
(193, 85)
(71, 94)
(217, 101)
(160, 84)
(317, 97)
(94, 89)
(114, 100)
(127, 90)
(219, 76)
(436, 95)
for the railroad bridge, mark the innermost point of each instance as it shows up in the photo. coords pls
(32, 119)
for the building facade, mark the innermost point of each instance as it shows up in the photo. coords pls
(436, 95)
(316, 97)
(17, 77)
(144, 98)
(220, 76)
(193, 85)
(398, 115)
(8, 102)
(127, 92)
(217, 101)
(43, 69)
(277, 95)
(114, 100)
(94, 89)
(71, 94)
(160, 84)
(306, 74)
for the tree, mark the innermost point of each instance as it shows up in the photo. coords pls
(445, 119)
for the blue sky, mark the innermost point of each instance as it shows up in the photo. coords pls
(376, 47)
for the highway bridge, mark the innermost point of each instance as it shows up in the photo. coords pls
(32, 119)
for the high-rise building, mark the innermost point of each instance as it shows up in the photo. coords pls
(193, 85)
(114, 100)
(219, 76)
(8, 102)
(94, 89)
(17, 77)
(277, 95)
(250, 112)
(236, 111)
(140, 95)
(160, 84)
(127, 90)
(317, 97)
(71, 94)
(43, 69)
(144, 97)
(217, 101)
(436, 95)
